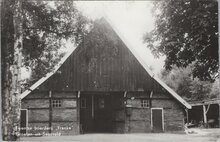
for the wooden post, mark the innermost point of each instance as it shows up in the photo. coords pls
(151, 95)
(50, 111)
(92, 107)
(205, 111)
(126, 126)
(187, 116)
(78, 111)
(204, 114)
(219, 115)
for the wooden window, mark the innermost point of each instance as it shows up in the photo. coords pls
(56, 103)
(83, 103)
(145, 103)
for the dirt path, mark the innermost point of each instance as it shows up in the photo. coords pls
(199, 135)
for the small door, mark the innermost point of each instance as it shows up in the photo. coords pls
(23, 122)
(157, 119)
(86, 118)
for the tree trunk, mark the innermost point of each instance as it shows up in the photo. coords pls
(11, 75)
(204, 114)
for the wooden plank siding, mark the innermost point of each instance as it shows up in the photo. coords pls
(101, 62)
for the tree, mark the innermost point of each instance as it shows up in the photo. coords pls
(46, 29)
(32, 32)
(186, 31)
(181, 80)
(11, 71)
(215, 89)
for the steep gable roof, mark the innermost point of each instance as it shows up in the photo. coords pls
(131, 48)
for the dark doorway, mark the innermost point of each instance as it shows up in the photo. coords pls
(96, 113)
(102, 113)
(23, 122)
(157, 119)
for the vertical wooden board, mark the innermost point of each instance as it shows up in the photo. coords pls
(74, 68)
(121, 67)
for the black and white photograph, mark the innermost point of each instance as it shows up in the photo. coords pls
(110, 71)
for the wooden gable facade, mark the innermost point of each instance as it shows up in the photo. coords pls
(101, 87)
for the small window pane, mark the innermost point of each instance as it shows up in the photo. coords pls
(145, 103)
(56, 103)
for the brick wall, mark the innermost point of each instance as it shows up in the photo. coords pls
(64, 120)
(139, 119)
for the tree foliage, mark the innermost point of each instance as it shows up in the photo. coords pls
(46, 28)
(181, 80)
(32, 32)
(186, 31)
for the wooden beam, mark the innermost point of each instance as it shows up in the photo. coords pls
(219, 115)
(78, 109)
(125, 94)
(205, 111)
(187, 115)
(54, 121)
(151, 96)
(50, 110)
(92, 107)
(49, 98)
(78, 94)
(43, 108)
(200, 103)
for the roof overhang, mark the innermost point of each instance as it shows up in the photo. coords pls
(206, 102)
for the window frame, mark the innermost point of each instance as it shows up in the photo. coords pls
(145, 103)
(56, 103)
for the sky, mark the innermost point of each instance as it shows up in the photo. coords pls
(132, 18)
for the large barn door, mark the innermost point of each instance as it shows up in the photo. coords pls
(23, 122)
(96, 113)
(157, 122)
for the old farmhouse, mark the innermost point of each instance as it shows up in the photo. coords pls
(102, 86)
